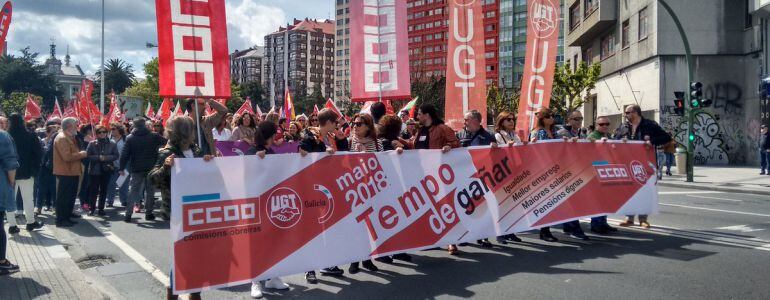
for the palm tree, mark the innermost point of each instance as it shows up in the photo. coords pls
(119, 75)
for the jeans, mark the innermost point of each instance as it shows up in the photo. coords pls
(140, 183)
(46, 192)
(669, 161)
(66, 191)
(763, 159)
(26, 188)
(3, 238)
(98, 188)
(121, 191)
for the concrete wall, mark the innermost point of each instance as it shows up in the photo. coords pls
(635, 85)
(728, 131)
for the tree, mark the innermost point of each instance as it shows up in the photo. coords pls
(118, 76)
(255, 91)
(431, 90)
(149, 87)
(500, 100)
(571, 88)
(24, 74)
(305, 105)
(16, 102)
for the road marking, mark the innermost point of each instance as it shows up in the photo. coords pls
(740, 228)
(688, 193)
(716, 210)
(143, 262)
(715, 198)
(710, 238)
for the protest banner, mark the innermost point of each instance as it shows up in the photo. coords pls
(233, 148)
(308, 213)
(466, 87)
(540, 62)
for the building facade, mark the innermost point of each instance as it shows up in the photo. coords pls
(300, 55)
(513, 41)
(247, 65)
(342, 51)
(428, 36)
(643, 62)
(69, 76)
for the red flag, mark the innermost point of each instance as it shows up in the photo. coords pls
(288, 106)
(192, 48)
(542, 48)
(178, 110)
(258, 112)
(164, 112)
(150, 113)
(330, 105)
(57, 113)
(379, 50)
(71, 110)
(246, 107)
(5, 23)
(315, 109)
(466, 87)
(31, 110)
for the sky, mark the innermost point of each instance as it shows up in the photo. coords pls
(130, 24)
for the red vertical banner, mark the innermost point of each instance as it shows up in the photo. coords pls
(539, 65)
(5, 23)
(192, 48)
(379, 50)
(466, 87)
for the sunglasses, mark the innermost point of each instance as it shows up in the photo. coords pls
(313, 120)
(101, 132)
(578, 119)
(603, 124)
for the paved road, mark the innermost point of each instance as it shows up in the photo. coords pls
(703, 245)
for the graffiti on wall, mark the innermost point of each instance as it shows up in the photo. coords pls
(723, 134)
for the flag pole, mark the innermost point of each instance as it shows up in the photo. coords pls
(198, 94)
(101, 103)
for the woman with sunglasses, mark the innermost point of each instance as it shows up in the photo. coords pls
(102, 154)
(505, 134)
(545, 130)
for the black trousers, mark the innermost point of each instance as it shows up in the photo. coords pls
(3, 238)
(66, 192)
(98, 187)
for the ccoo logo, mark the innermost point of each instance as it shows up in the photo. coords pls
(284, 208)
(544, 17)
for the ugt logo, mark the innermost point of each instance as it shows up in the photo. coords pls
(284, 208)
(640, 174)
(543, 15)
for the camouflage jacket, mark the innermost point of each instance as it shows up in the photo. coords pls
(161, 174)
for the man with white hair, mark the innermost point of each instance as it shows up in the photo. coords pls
(67, 168)
(3, 123)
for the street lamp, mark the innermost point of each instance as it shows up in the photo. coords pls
(150, 45)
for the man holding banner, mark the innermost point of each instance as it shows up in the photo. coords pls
(205, 135)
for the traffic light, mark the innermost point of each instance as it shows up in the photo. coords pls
(679, 103)
(696, 94)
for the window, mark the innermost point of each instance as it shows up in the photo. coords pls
(589, 6)
(643, 23)
(574, 16)
(608, 45)
(748, 21)
(625, 39)
(588, 55)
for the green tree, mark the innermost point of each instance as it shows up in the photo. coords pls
(306, 105)
(500, 100)
(236, 101)
(431, 90)
(256, 92)
(571, 88)
(16, 102)
(118, 76)
(23, 74)
(149, 87)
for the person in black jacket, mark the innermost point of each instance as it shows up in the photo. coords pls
(30, 157)
(140, 154)
(102, 154)
(325, 138)
(46, 192)
(640, 129)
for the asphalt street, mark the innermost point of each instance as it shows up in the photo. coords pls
(703, 245)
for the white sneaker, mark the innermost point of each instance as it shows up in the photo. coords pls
(277, 284)
(256, 290)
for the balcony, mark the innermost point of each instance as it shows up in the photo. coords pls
(760, 8)
(595, 17)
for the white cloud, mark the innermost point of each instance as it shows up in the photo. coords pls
(250, 22)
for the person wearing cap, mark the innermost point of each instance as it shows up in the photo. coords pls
(764, 150)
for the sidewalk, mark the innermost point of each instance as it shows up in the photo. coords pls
(47, 271)
(723, 179)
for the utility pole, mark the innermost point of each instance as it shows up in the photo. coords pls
(690, 115)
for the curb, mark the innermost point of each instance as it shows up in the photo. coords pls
(715, 188)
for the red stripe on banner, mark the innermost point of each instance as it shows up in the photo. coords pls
(196, 8)
(194, 78)
(192, 43)
(540, 62)
(380, 48)
(381, 77)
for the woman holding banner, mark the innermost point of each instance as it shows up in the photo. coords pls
(245, 129)
(294, 132)
(545, 130)
(505, 134)
(263, 141)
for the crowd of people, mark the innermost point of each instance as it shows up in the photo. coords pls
(54, 164)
